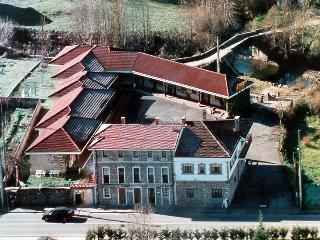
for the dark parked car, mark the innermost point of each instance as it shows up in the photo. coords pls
(58, 214)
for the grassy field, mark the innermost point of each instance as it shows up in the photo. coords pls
(163, 16)
(15, 128)
(12, 71)
(310, 147)
(38, 85)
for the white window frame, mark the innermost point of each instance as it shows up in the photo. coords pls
(125, 190)
(104, 192)
(205, 170)
(187, 164)
(155, 194)
(102, 170)
(154, 175)
(213, 173)
(168, 195)
(166, 153)
(133, 175)
(162, 175)
(133, 194)
(124, 174)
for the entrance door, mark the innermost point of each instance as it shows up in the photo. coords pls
(122, 196)
(152, 196)
(165, 196)
(137, 195)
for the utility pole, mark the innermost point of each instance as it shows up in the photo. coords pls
(218, 57)
(2, 167)
(300, 170)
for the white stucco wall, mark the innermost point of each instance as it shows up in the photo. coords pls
(195, 176)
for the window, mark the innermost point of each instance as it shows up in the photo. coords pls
(165, 174)
(106, 192)
(215, 168)
(149, 154)
(194, 91)
(164, 154)
(136, 175)
(201, 169)
(121, 174)
(105, 153)
(135, 154)
(106, 175)
(187, 169)
(216, 193)
(120, 154)
(150, 175)
(190, 193)
(165, 192)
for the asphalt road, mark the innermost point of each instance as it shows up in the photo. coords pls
(14, 225)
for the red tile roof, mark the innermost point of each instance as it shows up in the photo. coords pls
(61, 107)
(136, 136)
(182, 74)
(54, 139)
(72, 67)
(68, 85)
(70, 52)
(118, 61)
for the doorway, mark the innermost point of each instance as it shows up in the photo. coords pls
(122, 196)
(165, 196)
(152, 196)
(137, 195)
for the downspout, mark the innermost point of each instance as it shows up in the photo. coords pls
(95, 178)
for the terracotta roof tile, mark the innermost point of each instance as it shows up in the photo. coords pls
(70, 52)
(182, 74)
(54, 139)
(61, 104)
(137, 136)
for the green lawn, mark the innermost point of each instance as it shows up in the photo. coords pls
(310, 147)
(39, 84)
(16, 127)
(51, 181)
(163, 16)
(12, 71)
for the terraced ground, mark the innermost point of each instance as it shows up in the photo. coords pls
(163, 16)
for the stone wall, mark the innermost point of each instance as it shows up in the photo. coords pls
(202, 193)
(128, 162)
(43, 197)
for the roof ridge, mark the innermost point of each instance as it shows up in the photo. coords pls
(218, 141)
(202, 69)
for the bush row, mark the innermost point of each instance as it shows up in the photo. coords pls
(259, 233)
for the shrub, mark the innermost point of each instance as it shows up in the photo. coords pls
(305, 232)
(242, 234)
(119, 234)
(197, 234)
(185, 235)
(250, 233)
(176, 234)
(164, 234)
(102, 231)
(314, 232)
(274, 233)
(283, 232)
(206, 234)
(224, 233)
(214, 235)
(233, 233)
(296, 233)
(91, 234)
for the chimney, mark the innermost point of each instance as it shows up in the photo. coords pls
(184, 121)
(237, 123)
(157, 121)
(123, 120)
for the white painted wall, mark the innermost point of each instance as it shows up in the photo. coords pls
(178, 161)
(226, 172)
